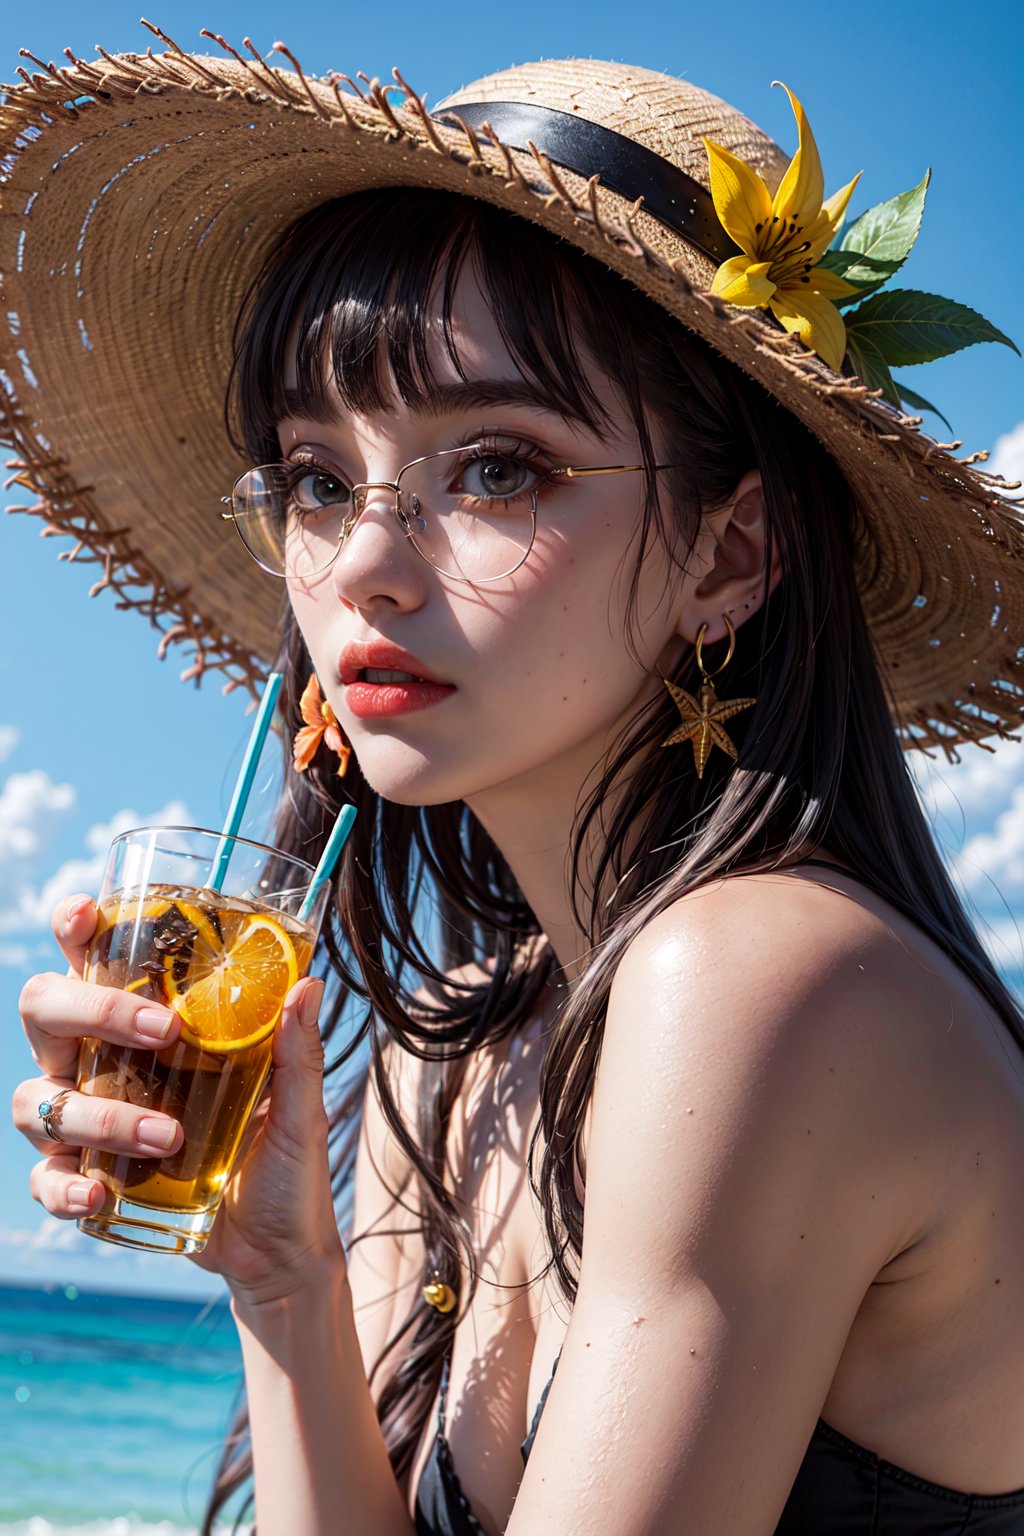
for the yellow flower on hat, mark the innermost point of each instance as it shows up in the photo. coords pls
(782, 240)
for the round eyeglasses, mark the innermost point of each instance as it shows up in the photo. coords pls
(470, 512)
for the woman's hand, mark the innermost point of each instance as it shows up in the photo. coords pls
(276, 1225)
(277, 1216)
(57, 1012)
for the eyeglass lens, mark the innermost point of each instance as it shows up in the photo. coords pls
(470, 512)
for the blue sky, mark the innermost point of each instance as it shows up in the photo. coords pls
(888, 89)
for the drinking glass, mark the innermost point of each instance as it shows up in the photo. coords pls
(218, 929)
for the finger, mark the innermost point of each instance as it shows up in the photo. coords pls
(60, 1189)
(85, 1120)
(58, 1011)
(74, 923)
(296, 1113)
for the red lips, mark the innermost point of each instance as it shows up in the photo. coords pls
(375, 700)
(383, 656)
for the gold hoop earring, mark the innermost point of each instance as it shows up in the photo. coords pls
(702, 716)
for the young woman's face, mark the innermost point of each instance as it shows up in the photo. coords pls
(541, 677)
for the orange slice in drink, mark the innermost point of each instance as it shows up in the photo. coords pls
(129, 910)
(233, 987)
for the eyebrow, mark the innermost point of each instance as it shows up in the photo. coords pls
(440, 400)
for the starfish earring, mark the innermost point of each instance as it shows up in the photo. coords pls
(702, 716)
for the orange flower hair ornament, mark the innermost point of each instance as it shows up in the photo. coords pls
(321, 726)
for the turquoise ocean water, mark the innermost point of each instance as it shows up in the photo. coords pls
(112, 1411)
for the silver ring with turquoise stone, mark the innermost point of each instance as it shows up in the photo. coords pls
(47, 1109)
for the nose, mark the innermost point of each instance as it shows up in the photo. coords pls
(360, 495)
(376, 563)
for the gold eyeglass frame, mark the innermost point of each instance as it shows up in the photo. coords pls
(570, 471)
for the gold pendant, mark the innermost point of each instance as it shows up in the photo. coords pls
(439, 1295)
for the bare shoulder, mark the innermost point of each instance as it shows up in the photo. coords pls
(784, 1034)
(812, 924)
(786, 956)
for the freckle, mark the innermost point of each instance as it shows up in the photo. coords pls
(565, 698)
(999, 1282)
(802, 1236)
(808, 1132)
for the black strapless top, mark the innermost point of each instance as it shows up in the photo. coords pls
(841, 1489)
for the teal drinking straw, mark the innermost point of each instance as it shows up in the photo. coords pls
(328, 859)
(261, 726)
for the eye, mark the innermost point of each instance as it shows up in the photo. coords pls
(497, 477)
(314, 490)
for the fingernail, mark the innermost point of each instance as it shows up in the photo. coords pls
(78, 906)
(309, 1004)
(155, 1135)
(79, 1199)
(153, 1023)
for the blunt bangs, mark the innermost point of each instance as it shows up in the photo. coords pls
(351, 296)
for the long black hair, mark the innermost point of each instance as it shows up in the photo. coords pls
(819, 760)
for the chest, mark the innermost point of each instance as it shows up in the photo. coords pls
(512, 1330)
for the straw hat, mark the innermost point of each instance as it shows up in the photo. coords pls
(143, 193)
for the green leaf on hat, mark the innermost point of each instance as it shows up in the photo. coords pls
(878, 243)
(866, 271)
(917, 402)
(905, 326)
(871, 368)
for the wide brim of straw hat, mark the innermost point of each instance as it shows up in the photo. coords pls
(142, 194)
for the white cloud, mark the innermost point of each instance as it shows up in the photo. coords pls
(24, 1245)
(27, 812)
(9, 738)
(976, 812)
(1003, 937)
(32, 810)
(57, 1253)
(998, 856)
(1008, 457)
(957, 797)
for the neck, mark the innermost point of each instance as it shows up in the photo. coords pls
(532, 820)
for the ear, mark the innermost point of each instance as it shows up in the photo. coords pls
(736, 582)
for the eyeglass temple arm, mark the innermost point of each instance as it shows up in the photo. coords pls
(575, 471)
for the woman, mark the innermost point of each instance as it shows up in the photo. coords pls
(732, 1010)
